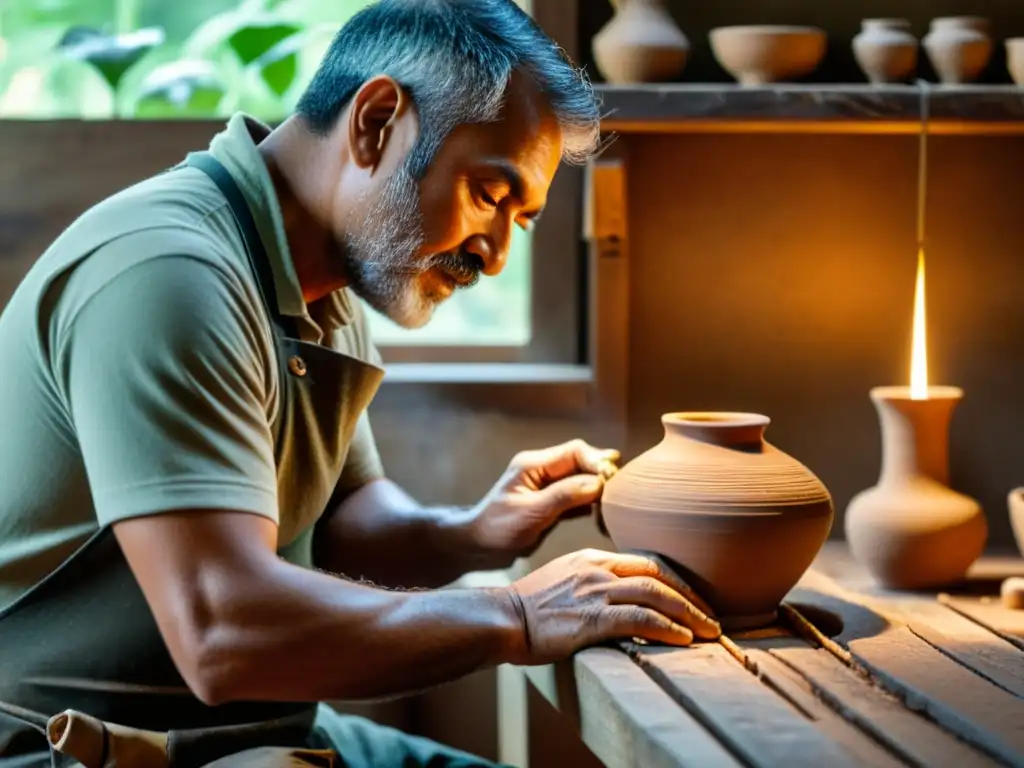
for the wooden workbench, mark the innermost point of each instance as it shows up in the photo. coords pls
(882, 679)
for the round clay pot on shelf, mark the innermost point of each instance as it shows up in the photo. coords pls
(1015, 59)
(885, 50)
(760, 54)
(911, 530)
(641, 44)
(958, 47)
(739, 519)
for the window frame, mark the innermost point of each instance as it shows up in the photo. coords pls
(121, 152)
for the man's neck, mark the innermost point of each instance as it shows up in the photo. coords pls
(291, 153)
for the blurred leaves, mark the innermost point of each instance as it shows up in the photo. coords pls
(112, 55)
(201, 59)
(253, 55)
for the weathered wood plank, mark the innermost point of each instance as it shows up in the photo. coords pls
(627, 721)
(971, 644)
(761, 727)
(915, 738)
(991, 614)
(967, 704)
(859, 744)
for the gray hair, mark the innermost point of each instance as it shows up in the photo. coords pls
(456, 58)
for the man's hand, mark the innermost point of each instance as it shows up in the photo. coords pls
(588, 597)
(537, 489)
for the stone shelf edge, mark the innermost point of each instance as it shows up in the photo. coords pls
(820, 108)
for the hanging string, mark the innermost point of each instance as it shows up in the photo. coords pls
(922, 162)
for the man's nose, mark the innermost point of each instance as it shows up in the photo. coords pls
(492, 257)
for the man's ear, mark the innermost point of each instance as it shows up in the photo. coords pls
(377, 107)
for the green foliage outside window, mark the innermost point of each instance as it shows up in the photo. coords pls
(206, 59)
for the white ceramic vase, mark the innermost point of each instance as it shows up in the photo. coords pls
(641, 44)
(885, 50)
(958, 47)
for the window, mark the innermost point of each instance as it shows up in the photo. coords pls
(159, 61)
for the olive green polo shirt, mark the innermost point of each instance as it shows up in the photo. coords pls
(137, 367)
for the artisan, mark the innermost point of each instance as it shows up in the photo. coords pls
(197, 537)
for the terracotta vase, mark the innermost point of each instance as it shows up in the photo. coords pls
(885, 50)
(756, 54)
(1015, 502)
(958, 47)
(738, 518)
(641, 44)
(1015, 59)
(911, 530)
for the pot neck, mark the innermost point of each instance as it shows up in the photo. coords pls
(620, 5)
(739, 431)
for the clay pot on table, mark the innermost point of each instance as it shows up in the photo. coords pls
(641, 44)
(911, 530)
(958, 47)
(885, 50)
(1015, 59)
(738, 518)
(760, 54)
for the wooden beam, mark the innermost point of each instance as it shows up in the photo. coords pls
(606, 228)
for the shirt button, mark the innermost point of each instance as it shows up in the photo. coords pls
(297, 365)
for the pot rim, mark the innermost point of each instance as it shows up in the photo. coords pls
(900, 393)
(768, 30)
(716, 419)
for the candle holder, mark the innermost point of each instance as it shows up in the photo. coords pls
(911, 530)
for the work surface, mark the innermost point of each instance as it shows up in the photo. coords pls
(851, 675)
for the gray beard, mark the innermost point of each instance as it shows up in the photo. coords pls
(382, 261)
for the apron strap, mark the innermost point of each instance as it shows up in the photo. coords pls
(212, 167)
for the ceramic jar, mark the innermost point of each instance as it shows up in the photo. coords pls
(739, 519)
(1015, 501)
(885, 50)
(958, 47)
(911, 530)
(641, 44)
(1015, 59)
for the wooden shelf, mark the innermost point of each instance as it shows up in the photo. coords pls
(817, 108)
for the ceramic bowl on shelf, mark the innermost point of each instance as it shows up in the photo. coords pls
(760, 54)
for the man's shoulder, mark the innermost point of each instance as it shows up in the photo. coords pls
(175, 215)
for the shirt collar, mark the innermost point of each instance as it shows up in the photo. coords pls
(236, 148)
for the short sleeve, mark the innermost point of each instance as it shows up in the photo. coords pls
(166, 387)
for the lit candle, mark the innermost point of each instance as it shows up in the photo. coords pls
(911, 530)
(919, 351)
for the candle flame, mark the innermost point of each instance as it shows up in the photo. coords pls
(919, 353)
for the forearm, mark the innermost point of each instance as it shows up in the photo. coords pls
(382, 535)
(299, 635)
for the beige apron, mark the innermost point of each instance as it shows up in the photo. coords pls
(69, 661)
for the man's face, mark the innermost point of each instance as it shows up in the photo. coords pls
(414, 244)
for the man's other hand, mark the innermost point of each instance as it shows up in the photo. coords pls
(538, 488)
